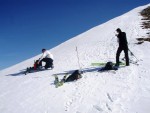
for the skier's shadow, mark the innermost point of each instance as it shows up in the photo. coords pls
(92, 69)
(17, 74)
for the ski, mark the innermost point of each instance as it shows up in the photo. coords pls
(103, 64)
(32, 70)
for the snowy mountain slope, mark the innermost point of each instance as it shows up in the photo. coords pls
(127, 91)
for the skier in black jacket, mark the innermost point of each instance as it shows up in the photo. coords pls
(123, 45)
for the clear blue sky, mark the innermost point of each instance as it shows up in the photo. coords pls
(27, 26)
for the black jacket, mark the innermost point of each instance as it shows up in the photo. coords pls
(122, 39)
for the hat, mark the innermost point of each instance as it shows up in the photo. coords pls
(43, 50)
(118, 30)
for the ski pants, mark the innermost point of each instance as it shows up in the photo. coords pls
(120, 49)
(48, 61)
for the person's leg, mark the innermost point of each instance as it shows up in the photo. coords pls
(126, 56)
(49, 63)
(118, 55)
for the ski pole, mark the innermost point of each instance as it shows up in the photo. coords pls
(78, 58)
(133, 54)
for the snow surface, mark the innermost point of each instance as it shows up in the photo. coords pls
(126, 91)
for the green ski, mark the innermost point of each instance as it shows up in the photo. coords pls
(103, 64)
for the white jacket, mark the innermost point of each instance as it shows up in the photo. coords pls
(46, 54)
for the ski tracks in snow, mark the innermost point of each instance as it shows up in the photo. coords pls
(115, 90)
(77, 95)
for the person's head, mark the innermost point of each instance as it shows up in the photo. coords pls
(118, 30)
(43, 50)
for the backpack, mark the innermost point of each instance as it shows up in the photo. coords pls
(108, 66)
(74, 76)
(36, 65)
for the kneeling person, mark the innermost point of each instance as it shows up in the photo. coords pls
(46, 57)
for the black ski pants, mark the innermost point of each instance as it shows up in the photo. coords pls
(120, 49)
(48, 61)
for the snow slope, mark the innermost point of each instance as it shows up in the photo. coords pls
(126, 91)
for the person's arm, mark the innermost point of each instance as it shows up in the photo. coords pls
(117, 37)
(43, 55)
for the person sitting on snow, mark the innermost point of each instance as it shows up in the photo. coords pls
(46, 57)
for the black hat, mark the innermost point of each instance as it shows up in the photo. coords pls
(118, 30)
(43, 50)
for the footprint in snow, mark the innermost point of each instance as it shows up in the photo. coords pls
(78, 112)
(109, 97)
(108, 107)
(97, 108)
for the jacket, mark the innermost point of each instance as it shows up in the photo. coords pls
(122, 39)
(46, 54)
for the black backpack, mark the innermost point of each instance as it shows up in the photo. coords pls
(74, 76)
(108, 66)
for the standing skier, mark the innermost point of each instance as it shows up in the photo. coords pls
(123, 45)
(46, 57)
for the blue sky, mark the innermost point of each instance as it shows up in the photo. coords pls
(27, 26)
